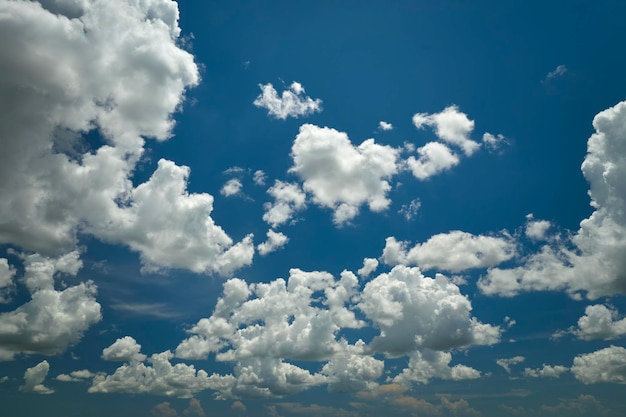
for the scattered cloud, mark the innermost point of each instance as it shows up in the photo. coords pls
(451, 126)
(288, 200)
(34, 377)
(259, 177)
(434, 158)
(506, 363)
(369, 266)
(536, 229)
(125, 349)
(494, 142)
(409, 210)
(604, 365)
(600, 322)
(292, 103)
(231, 187)
(7, 272)
(559, 71)
(385, 126)
(274, 242)
(547, 371)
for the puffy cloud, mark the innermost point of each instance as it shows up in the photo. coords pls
(592, 260)
(7, 272)
(451, 126)
(275, 241)
(231, 187)
(408, 211)
(288, 199)
(427, 364)
(259, 177)
(292, 103)
(341, 176)
(454, 251)
(536, 229)
(604, 365)
(164, 409)
(506, 363)
(416, 312)
(369, 266)
(34, 377)
(382, 125)
(194, 409)
(76, 376)
(547, 371)
(353, 370)
(161, 378)
(125, 349)
(434, 157)
(600, 322)
(494, 142)
(52, 320)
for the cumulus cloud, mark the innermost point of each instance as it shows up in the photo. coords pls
(231, 187)
(547, 371)
(600, 322)
(451, 126)
(125, 349)
(592, 261)
(288, 200)
(417, 312)
(159, 377)
(507, 362)
(34, 377)
(293, 102)
(115, 68)
(454, 251)
(434, 157)
(76, 376)
(369, 266)
(340, 176)
(409, 210)
(52, 320)
(259, 177)
(274, 242)
(494, 142)
(7, 272)
(536, 229)
(604, 365)
(427, 364)
(382, 125)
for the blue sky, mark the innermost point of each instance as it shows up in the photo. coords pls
(329, 208)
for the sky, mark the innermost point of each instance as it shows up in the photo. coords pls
(332, 208)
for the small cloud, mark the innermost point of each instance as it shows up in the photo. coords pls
(292, 103)
(506, 363)
(558, 72)
(408, 211)
(259, 177)
(494, 142)
(382, 125)
(275, 241)
(239, 407)
(231, 187)
(34, 377)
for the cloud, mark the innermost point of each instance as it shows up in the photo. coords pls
(52, 320)
(454, 251)
(385, 126)
(417, 312)
(536, 229)
(288, 199)
(340, 176)
(164, 409)
(427, 364)
(125, 349)
(494, 142)
(451, 126)
(592, 260)
(239, 407)
(604, 365)
(274, 242)
(600, 322)
(7, 272)
(231, 187)
(259, 177)
(194, 409)
(556, 73)
(76, 376)
(547, 371)
(434, 158)
(292, 103)
(506, 363)
(34, 377)
(369, 266)
(409, 211)
(352, 370)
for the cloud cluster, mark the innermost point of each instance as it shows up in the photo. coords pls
(546, 371)
(604, 365)
(592, 261)
(288, 200)
(275, 241)
(113, 70)
(34, 377)
(291, 103)
(600, 322)
(341, 176)
(451, 126)
(52, 320)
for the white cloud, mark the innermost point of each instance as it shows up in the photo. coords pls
(600, 322)
(292, 103)
(34, 377)
(556, 73)
(162, 378)
(506, 363)
(592, 260)
(454, 251)
(231, 187)
(451, 126)
(259, 177)
(275, 241)
(408, 211)
(427, 364)
(536, 229)
(352, 370)
(369, 266)
(382, 125)
(52, 320)
(434, 158)
(288, 199)
(7, 272)
(604, 365)
(76, 376)
(341, 176)
(494, 142)
(416, 312)
(547, 371)
(125, 349)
